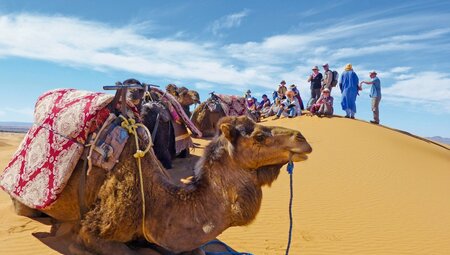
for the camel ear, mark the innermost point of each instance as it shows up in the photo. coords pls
(226, 130)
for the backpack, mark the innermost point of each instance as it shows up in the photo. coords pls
(335, 78)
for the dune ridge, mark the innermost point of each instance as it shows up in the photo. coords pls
(365, 189)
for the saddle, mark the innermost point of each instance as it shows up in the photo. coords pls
(48, 154)
(232, 105)
(213, 105)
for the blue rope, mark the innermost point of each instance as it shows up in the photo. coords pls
(228, 252)
(290, 170)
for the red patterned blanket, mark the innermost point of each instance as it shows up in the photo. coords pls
(41, 167)
(177, 112)
(233, 105)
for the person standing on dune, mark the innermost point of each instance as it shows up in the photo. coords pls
(349, 89)
(316, 84)
(375, 94)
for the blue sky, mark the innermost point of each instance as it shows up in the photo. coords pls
(230, 46)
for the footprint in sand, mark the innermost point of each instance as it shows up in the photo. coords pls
(21, 228)
(307, 236)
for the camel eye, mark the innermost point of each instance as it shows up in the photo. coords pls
(260, 138)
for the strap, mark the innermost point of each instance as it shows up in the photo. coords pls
(82, 188)
(155, 130)
(115, 101)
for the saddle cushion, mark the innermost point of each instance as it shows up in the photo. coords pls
(233, 105)
(47, 156)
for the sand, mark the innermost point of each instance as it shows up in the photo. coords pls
(365, 189)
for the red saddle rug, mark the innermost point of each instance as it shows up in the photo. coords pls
(47, 156)
(177, 112)
(233, 105)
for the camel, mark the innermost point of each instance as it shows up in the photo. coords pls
(224, 191)
(164, 138)
(184, 96)
(208, 113)
(206, 116)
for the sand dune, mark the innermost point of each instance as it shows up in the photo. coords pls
(365, 189)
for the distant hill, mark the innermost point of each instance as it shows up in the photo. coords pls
(15, 127)
(440, 139)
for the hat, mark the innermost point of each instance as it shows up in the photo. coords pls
(292, 86)
(326, 64)
(348, 67)
(248, 91)
(315, 68)
(282, 82)
(325, 90)
(373, 71)
(250, 98)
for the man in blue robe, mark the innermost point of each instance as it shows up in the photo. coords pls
(349, 89)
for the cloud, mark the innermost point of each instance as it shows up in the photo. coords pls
(76, 42)
(17, 114)
(429, 89)
(400, 69)
(416, 37)
(203, 86)
(22, 111)
(227, 22)
(257, 64)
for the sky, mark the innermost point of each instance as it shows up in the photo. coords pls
(229, 47)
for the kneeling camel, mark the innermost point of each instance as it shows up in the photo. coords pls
(225, 191)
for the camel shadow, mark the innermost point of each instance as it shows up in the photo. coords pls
(59, 238)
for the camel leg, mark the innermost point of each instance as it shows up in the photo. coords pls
(24, 210)
(102, 246)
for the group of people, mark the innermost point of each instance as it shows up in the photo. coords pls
(288, 102)
(350, 86)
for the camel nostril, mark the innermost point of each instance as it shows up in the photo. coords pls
(308, 148)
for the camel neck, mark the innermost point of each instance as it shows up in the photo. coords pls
(238, 188)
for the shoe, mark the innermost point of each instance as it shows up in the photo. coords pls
(346, 116)
(276, 117)
(374, 122)
(352, 117)
(290, 117)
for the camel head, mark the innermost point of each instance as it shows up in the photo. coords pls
(150, 111)
(188, 97)
(172, 89)
(253, 146)
(134, 95)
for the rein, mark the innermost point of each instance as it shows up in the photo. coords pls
(131, 126)
(290, 170)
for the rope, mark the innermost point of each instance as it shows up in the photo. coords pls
(131, 126)
(290, 170)
(228, 252)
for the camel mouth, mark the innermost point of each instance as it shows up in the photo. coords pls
(297, 157)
